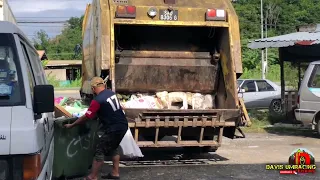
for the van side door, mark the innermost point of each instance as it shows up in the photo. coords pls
(41, 121)
(310, 94)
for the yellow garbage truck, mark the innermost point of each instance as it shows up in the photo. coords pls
(175, 51)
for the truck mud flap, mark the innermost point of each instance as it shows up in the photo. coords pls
(180, 121)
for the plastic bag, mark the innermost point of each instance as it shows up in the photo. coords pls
(208, 102)
(58, 100)
(173, 97)
(197, 101)
(145, 102)
(79, 114)
(129, 146)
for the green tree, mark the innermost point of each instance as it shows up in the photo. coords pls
(280, 17)
(65, 46)
(41, 42)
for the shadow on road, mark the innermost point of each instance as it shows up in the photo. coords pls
(283, 131)
(171, 157)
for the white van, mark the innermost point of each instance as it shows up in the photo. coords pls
(26, 109)
(308, 102)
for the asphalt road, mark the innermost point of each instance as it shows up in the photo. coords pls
(243, 158)
(236, 159)
(230, 171)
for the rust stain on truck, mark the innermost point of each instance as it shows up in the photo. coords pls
(177, 45)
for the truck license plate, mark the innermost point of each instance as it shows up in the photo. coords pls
(167, 15)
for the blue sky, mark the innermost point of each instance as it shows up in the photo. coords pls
(55, 10)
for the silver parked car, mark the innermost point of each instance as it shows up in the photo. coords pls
(260, 94)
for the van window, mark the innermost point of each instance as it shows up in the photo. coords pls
(11, 82)
(31, 78)
(314, 81)
(36, 65)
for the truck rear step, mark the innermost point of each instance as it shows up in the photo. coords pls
(180, 120)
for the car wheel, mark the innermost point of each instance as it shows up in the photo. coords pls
(318, 127)
(275, 107)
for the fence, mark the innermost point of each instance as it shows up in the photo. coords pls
(290, 103)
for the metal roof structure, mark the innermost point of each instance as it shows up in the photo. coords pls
(55, 63)
(42, 54)
(311, 37)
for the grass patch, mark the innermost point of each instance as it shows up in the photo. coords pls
(56, 83)
(258, 126)
(259, 119)
(262, 121)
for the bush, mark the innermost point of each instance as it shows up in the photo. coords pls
(56, 83)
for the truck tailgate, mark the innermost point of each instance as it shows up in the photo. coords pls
(151, 71)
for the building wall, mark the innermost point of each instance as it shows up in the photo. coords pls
(60, 74)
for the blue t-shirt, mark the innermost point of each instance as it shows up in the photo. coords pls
(107, 107)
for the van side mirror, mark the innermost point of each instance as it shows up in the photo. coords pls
(43, 96)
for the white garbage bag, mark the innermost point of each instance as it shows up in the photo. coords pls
(167, 98)
(129, 146)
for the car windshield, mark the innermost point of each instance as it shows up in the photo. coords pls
(11, 84)
(239, 82)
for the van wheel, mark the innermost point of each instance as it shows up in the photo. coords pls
(275, 107)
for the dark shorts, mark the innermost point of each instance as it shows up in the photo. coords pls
(108, 144)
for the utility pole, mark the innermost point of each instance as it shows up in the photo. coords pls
(262, 50)
(266, 29)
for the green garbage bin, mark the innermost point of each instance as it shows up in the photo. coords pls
(73, 148)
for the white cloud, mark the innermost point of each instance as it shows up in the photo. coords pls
(24, 6)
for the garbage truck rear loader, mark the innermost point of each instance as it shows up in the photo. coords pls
(150, 46)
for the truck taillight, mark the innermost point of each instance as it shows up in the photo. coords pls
(298, 100)
(126, 12)
(216, 15)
